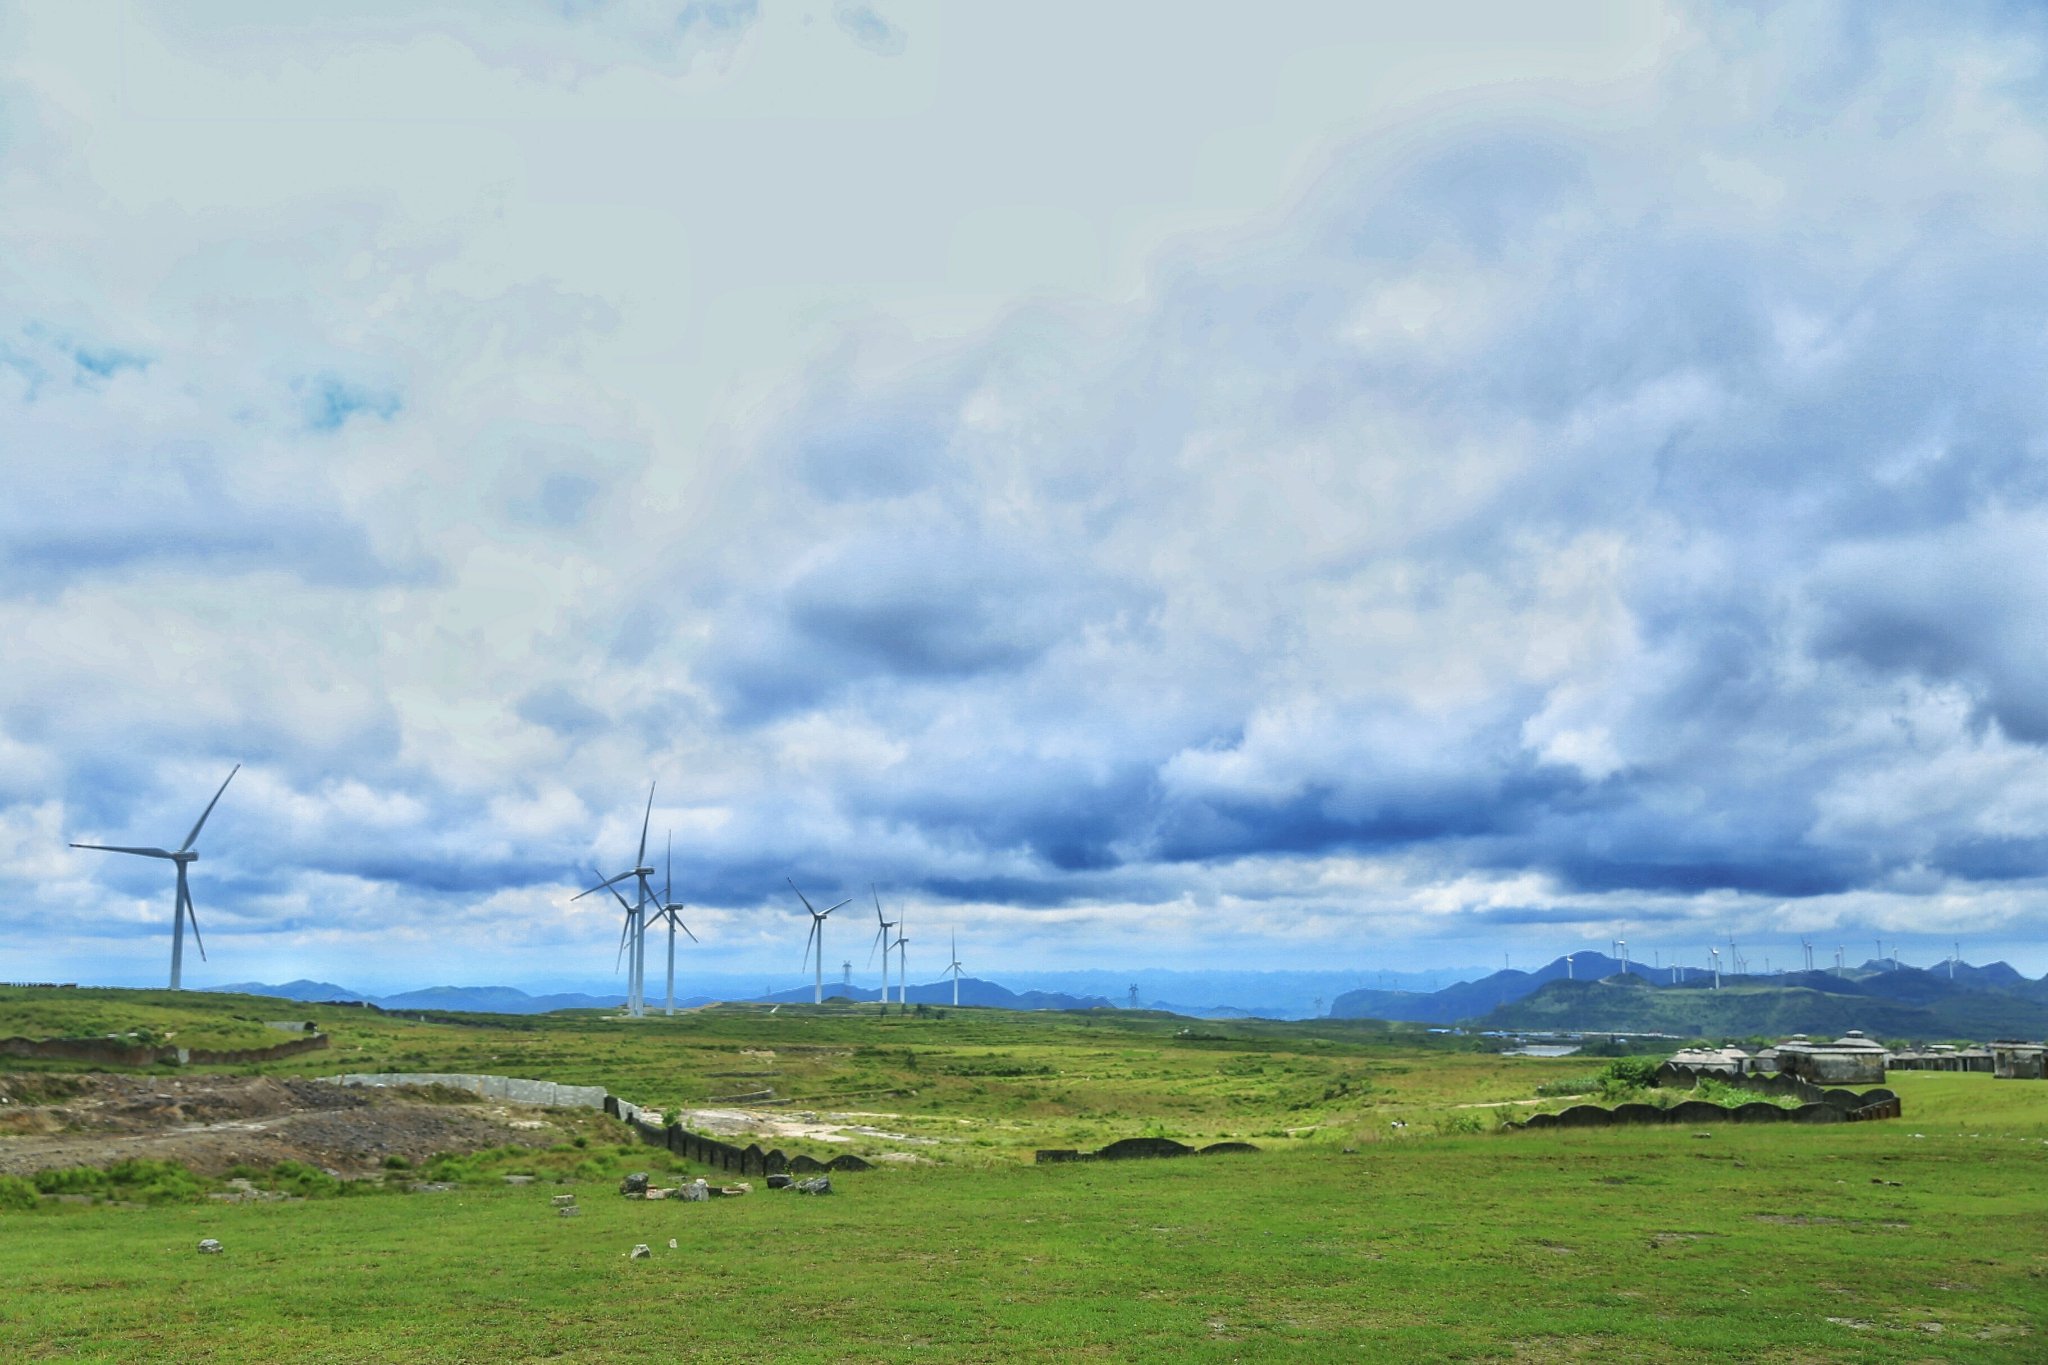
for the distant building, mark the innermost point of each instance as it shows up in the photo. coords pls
(1712, 1061)
(1851, 1059)
(2012, 1060)
(1942, 1057)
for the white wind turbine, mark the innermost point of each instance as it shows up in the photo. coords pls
(955, 969)
(882, 942)
(816, 940)
(635, 936)
(184, 856)
(902, 967)
(670, 911)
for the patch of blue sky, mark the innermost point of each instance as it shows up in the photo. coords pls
(329, 402)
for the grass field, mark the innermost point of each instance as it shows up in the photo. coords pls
(1923, 1239)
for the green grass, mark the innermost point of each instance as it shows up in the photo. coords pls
(1593, 1245)
(1922, 1239)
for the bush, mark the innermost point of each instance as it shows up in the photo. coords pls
(154, 1182)
(308, 1182)
(17, 1195)
(73, 1180)
(395, 1162)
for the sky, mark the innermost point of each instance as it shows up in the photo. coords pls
(1311, 487)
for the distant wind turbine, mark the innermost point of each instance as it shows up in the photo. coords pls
(955, 968)
(815, 940)
(184, 855)
(670, 911)
(902, 965)
(881, 942)
(635, 937)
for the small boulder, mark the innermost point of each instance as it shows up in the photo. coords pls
(569, 1211)
(671, 1244)
(781, 1181)
(818, 1184)
(641, 1252)
(562, 1199)
(634, 1185)
(695, 1193)
(209, 1247)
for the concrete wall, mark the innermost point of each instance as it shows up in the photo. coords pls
(511, 1089)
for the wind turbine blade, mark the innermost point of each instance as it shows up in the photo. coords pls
(641, 861)
(881, 934)
(115, 848)
(192, 918)
(184, 847)
(847, 901)
(677, 921)
(878, 902)
(802, 897)
(601, 886)
(668, 878)
(813, 937)
(625, 932)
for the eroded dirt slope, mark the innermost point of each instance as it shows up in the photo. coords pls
(210, 1123)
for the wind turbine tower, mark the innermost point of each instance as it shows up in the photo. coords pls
(670, 911)
(181, 906)
(814, 942)
(1568, 966)
(846, 974)
(881, 942)
(1715, 954)
(903, 964)
(1956, 953)
(955, 968)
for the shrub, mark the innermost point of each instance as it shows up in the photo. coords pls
(17, 1195)
(308, 1182)
(395, 1162)
(154, 1182)
(73, 1180)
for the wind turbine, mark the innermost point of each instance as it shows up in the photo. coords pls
(181, 910)
(902, 966)
(1806, 947)
(882, 942)
(636, 925)
(670, 911)
(815, 939)
(1715, 953)
(1952, 959)
(1568, 966)
(955, 969)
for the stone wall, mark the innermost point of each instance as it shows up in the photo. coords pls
(1129, 1149)
(1832, 1106)
(510, 1089)
(723, 1156)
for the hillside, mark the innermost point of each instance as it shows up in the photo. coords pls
(1820, 1005)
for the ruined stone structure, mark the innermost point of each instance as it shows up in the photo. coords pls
(1942, 1057)
(1851, 1059)
(512, 1089)
(2012, 1060)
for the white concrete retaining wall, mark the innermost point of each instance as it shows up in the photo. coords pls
(512, 1089)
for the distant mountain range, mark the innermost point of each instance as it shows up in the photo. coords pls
(510, 1000)
(1593, 994)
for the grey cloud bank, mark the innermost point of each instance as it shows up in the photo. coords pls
(1596, 500)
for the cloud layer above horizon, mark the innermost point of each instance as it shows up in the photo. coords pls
(1128, 488)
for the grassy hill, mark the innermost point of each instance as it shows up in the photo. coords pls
(1747, 1005)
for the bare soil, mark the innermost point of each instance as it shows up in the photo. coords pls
(209, 1123)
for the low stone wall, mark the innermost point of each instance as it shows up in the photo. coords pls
(723, 1156)
(510, 1089)
(1834, 1106)
(108, 1052)
(1138, 1149)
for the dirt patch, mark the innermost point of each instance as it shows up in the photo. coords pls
(210, 1123)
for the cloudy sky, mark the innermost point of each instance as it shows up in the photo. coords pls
(1152, 483)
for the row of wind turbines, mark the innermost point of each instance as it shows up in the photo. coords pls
(633, 931)
(645, 911)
